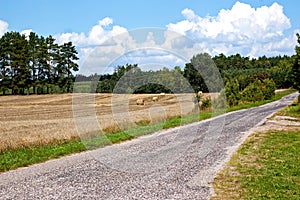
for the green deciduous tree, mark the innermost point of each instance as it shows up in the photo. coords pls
(205, 66)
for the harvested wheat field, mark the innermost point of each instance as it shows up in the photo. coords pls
(47, 119)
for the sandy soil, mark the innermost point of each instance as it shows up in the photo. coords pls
(280, 123)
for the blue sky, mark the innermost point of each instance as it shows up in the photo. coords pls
(249, 27)
(53, 16)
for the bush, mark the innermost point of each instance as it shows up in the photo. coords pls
(232, 100)
(259, 90)
(232, 93)
(253, 92)
(268, 88)
(205, 104)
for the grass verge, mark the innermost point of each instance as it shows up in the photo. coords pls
(292, 110)
(12, 159)
(16, 158)
(265, 167)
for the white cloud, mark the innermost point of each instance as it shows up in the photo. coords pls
(125, 48)
(96, 36)
(97, 48)
(26, 33)
(3, 27)
(106, 21)
(240, 29)
(107, 45)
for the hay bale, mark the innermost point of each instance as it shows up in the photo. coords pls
(140, 102)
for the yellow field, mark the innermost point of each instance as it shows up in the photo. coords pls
(47, 119)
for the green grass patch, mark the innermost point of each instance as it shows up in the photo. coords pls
(173, 122)
(279, 174)
(292, 110)
(265, 167)
(12, 159)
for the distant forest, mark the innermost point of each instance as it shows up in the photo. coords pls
(36, 65)
(244, 79)
(232, 68)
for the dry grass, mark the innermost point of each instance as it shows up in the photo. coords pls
(48, 119)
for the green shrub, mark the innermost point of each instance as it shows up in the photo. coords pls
(253, 92)
(268, 88)
(232, 93)
(259, 90)
(205, 104)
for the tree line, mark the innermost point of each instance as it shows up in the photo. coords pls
(35, 64)
(244, 79)
(233, 69)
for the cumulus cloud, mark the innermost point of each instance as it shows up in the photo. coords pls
(106, 21)
(98, 34)
(3, 27)
(241, 22)
(96, 49)
(237, 29)
(107, 45)
(242, 29)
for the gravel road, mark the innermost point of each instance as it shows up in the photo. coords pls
(177, 163)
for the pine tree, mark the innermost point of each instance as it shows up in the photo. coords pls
(66, 64)
(33, 51)
(296, 68)
(52, 59)
(19, 62)
(5, 70)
